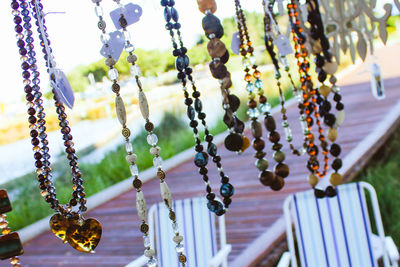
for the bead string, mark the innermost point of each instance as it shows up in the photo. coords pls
(121, 114)
(5, 230)
(152, 138)
(213, 28)
(185, 75)
(281, 170)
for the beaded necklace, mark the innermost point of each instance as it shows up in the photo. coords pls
(152, 139)
(213, 29)
(269, 44)
(68, 225)
(185, 76)
(272, 179)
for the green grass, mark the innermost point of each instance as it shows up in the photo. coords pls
(383, 172)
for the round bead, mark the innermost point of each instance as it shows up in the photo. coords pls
(149, 253)
(313, 180)
(233, 142)
(205, 5)
(330, 191)
(336, 179)
(201, 159)
(330, 67)
(216, 48)
(131, 159)
(227, 190)
(155, 150)
(277, 184)
(212, 26)
(319, 193)
(131, 58)
(279, 156)
(262, 164)
(110, 62)
(324, 90)
(152, 139)
(218, 69)
(332, 134)
(266, 178)
(282, 170)
(152, 262)
(234, 102)
(137, 183)
(258, 144)
(335, 150)
(113, 74)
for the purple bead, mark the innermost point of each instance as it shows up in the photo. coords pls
(20, 43)
(18, 28)
(22, 51)
(14, 5)
(17, 20)
(26, 74)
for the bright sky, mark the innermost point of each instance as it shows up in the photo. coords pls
(75, 36)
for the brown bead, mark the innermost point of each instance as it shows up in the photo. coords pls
(258, 144)
(266, 178)
(246, 143)
(5, 205)
(11, 246)
(270, 123)
(336, 179)
(126, 132)
(274, 137)
(137, 184)
(144, 228)
(278, 183)
(205, 5)
(84, 236)
(234, 102)
(233, 142)
(277, 146)
(262, 99)
(282, 170)
(161, 175)
(149, 126)
(256, 129)
(172, 215)
(115, 88)
(252, 103)
(218, 70)
(182, 258)
(216, 48)
(332, 134)
(226, 82)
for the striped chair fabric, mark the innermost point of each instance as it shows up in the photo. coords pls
(197, 225)
(333, 231)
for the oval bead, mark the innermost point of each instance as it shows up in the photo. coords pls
(212, 26)
(174, 14)
(332, 134)
(191, 113)
(336, 179)
(167, 14)
(205, 5)
(313, 180)
(166, 194)
(141, 206)
(324, 90)
(216, 48)
(120, 109)
(256, 129)
(198, 105)
(340, 116)
(218, 70)
(143, 105)
(201, 159)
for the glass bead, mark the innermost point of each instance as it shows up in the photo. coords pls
(201, 159)
(99, 11)
(215, 206)
(129, 48)
(135, 70)
(146, 241)
(175, 227)
(179, 248)
(335, 89)
(253, 113)
(127, 35)
(246, 62)
(265, 107)
(134, 170)
(250, 87)
(19, 36)
(252, 60)
(104, 37)
(152, 262)
(227, 190)
(258, 84)
(158, 162)
(113, 74)
(285, 124)
(128, 147)
(152, 139)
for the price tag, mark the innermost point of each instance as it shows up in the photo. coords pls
(63, 89)
(284, 46)
(235, 45)
(115, 46)
(132, 14)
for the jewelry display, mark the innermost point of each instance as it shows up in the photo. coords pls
(10, 243)
(275, 180)
(67, 224)
(235, 141)
(185, 76)
(124, 19)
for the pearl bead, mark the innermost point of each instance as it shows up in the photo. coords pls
(131, 158)
(155, 150)
(149, 253)
(178, 238)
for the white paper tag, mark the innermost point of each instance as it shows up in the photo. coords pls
(115, 46)
(132, 14)
(63, 89)
(235, 45)
(284, 46)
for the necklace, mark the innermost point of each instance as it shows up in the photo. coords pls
(213, 29)
(68, 225)
(9, 241)
(272, 179)
(152, 139)
(185, 76)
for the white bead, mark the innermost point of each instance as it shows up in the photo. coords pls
(146, 241)
(120, 109)
(131, 158)
(158, 162)
(165, 193)
(149, 253)
(179, 248)
(127, 35)
(128, 147)
(104, 37)
(330, 67)
(135, 71)
(143, 105)
(141, 206)
(129, 47)
(178, 238)
(98, 10)
(155, 150)
(152, 139)
(175, 227)
(340, 116)
(134, 170)
(113, 74)
(152, 263)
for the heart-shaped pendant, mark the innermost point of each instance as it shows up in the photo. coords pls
(84, 236)
(59, 225)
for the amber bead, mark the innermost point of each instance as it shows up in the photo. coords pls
(282, 170)
(336, 179)
(256, 129)
(11, 246)
(218, 70)
(149, 126)
(205, 5)
(313, 180)
(246, 143)
(277, 146)
(258, 144)
(86, 236)
(270, 123)
(233, 142)
(216, 48)
(274, 137)
(267, 178)
(5, 205)
(332, 134)
(277, 184)
(59, 226)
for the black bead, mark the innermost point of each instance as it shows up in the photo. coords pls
(339, 106)
(329, 119)
(337, 97)
(202, 116)
(322, 76)
(233, 142)
(335, 150)
(196, 94)
(330, 191)
(337, 164)
(319, 193)
(211, 196)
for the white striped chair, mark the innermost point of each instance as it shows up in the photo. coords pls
(197, 224)
(336, 231)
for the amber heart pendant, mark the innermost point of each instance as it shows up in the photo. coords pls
(84, 235)
(59, 225)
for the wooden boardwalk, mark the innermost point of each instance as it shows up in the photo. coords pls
(255, 208)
